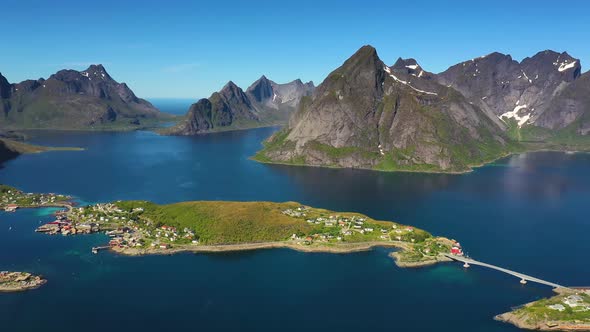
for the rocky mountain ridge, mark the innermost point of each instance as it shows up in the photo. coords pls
(369, 115)
(264, 103)
(70, 99)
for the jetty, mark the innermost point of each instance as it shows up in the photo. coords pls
(523, 277)
(95, 250)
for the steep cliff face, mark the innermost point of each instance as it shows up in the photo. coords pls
(511, 92)
(228, 107)
(73, 99)
(264, 103)
(368, 115)
(569, 110)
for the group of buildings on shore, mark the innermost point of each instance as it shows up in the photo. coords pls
(575, 301)
(125, 228)
(12, 199)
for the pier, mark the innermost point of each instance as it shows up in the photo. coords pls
(95, 250)
(523, 277)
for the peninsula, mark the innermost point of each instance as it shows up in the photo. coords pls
(12, 199)
(142, 228)
(569, 310)
(19, 281)
(10, 149)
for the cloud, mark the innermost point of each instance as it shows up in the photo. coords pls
(179, 68)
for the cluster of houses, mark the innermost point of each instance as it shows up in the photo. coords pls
(168, 234)
(296, 213)
(456, 249)
(348, 226)
(575, 301)
(62, 225)
(10, 199)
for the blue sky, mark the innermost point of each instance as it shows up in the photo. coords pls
(190, 49)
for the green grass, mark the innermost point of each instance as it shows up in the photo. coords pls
(22, 148)
(539, 312)
(219, 222)
(10, 195)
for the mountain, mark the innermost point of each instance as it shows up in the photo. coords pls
(517, 94)
(70, 99)
(366, 114)
(569, 110)
(264, 103)
(270, 95)
(228, 107)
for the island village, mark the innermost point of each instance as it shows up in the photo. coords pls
(132, 229)
(12, 199)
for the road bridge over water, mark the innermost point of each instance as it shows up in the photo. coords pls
(523, 277)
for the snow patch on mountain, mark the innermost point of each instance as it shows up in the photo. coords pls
(514, 115)
(565, 66)
(407, 83)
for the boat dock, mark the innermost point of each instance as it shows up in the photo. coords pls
(95, 250)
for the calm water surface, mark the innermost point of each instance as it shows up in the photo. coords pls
(526, 212)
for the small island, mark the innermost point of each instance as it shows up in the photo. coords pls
(19, 281)
(12, 199)
(569, 310)
(142, 228)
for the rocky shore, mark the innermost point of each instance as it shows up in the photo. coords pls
(19, 281)
(569, 310)
(343, 248)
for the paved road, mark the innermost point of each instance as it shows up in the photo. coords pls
(514, 273)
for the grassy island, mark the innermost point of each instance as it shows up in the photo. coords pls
(141, 227)
(19, 281)
(12, 199)
(569, 310)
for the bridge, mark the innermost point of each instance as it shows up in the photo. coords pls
(523, 277)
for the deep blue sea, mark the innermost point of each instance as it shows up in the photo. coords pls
(527, 212)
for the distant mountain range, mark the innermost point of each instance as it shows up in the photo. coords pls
(367, 114)
(71, 99)
(264, 103)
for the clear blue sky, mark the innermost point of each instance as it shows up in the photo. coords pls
(192, 48)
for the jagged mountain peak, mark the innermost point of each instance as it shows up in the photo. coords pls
(261, 89)
(405, 63)
(97, 71)
(230, 88)
(365, 57)
(410, 67)
(550, 62)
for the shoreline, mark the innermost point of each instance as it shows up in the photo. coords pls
(16, 289)
(471, 168)
(336, 249)
(12, 282)
(523, 320)
(467, 171)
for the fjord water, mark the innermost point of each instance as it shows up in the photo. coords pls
(526, 212)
